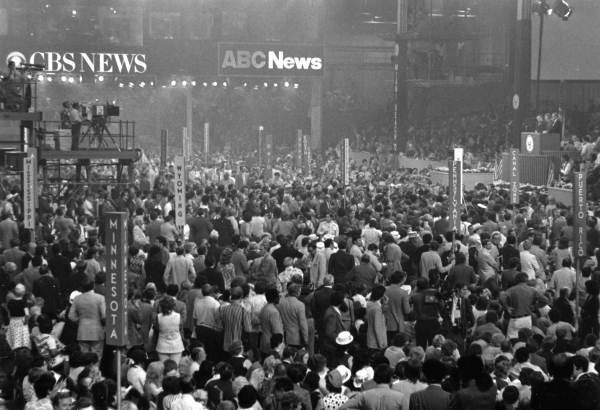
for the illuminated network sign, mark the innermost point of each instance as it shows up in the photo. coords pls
(80, 62)
(260, 60)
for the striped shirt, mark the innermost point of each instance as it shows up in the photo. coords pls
(234, 321)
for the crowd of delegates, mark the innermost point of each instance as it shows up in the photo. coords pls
(284, 292)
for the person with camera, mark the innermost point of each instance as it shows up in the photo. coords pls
(75, 119)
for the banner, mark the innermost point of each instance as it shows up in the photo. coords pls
(206, 140)
(29, 188)
(179, 193)
(260, 146)
(306, 156)
(580, 212)
(345, 165)
(164, 146)
(455, 188)
(515, 176)
(270, 59)
(299, 150)
(116, 280)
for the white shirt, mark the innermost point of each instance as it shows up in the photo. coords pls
(529, 264)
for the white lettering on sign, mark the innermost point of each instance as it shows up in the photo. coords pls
(179, 193)
(69, 62)
(272, 59)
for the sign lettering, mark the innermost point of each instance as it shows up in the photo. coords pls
(116, 263)
(580, 215)
(79, 62)
(515, 176)
(179, 193)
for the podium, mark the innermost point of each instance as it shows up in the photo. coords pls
(535, 143)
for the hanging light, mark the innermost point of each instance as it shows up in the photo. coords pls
(49, 79)
(214, 84)
(142, 84)
(193, 83)
(173, 83)
(100, 78)
(224, 83)
(184, 83)
(71, 80)
(63, 78)
(286, 84)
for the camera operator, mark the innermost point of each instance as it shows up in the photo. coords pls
(65, 116)
(75, 118)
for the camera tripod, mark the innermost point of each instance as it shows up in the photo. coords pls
(96, 132)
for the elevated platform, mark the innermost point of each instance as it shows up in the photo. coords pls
(90, 154)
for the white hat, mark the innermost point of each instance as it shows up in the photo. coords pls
(395, 235)
(19, 290)
(344, 372)
(73, 295)
(320, 245)
(344, 338)
(363, 375)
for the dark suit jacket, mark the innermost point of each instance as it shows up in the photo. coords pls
(432, 398)
(396, 308)
(320, 302)
(333, 325)
(340, 264)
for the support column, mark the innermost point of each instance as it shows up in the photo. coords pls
(522, 76)
(316, 113)
(400, 85)
(189, 115)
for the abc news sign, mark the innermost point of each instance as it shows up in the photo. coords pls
(79, 62)
(268, 60)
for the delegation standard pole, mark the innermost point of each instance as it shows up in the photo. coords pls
(119, 398)
(539, 62)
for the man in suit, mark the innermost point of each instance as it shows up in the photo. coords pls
(433, 397)
(153, 228)
(63, 225)
(13, 254)
(341, 262)
(320, 301)
(293, 316)
(397, 306)
(332, 325)
(60, 267)
(376, 331)
(200, 227)
(381, 397)
(270, 320)
(89, 311)
(9, 230)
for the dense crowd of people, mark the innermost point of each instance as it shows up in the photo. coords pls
(285, 291)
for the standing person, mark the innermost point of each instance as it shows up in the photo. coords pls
(381, 397)
(293, 316)
(397, 307)
(318, 263)
(341, 262)
(179, 269)
(9, 230)
(205, 316)
(433, 397)
(225, 229)
(518, 301)
(169, 344)
(17, 334)
(234, 319)
(154, 268)
(239, 260)
(47, 288)
(589, 310)
(376, 330)
(200, 227)
(75, 119)
(89, 311)
(270, 320)
(427, 304)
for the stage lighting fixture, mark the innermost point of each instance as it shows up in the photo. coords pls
(121, 85)
(40, 77)
(204, 84)
(71, 80)
(49, 79)
(245, 85)
(286, 84)
(266, 85)
(214, 84)
(131, 85)
(542, 7)
(255, 87)
(224, 83)
(63, 78)
(151, 83)
(193, 83)
(173, 83)
(296, 85)
(275, 85)
(142, 84)
(100, 78)
(74, 12)
(562, 9)
(184, 83)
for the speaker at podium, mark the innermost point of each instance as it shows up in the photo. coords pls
(534, 143)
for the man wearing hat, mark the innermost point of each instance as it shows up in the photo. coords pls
(382, 397)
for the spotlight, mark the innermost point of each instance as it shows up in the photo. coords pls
(74, 12)
(275, 85)
(214, 84)
(49, 79)
(40, 77)
(266, 85)
(142, 84)
(296, 85)
(184, 83)
(286, 84)
(193, 83)
(255, 87)
(224, 83)
(29, 77)
(131, 85)
(151, 83)
(63, 78)
(173, 83)
(71, 80)
(204, 84)
(121, 85)
(562, 9)
(100, 78)
(245, 85)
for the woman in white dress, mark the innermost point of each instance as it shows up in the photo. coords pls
(169, 344)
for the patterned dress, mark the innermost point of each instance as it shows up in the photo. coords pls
(17, 334)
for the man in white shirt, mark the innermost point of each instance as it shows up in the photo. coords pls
(205, 314)
(529, 263)
(328, 226)
(370, 234)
